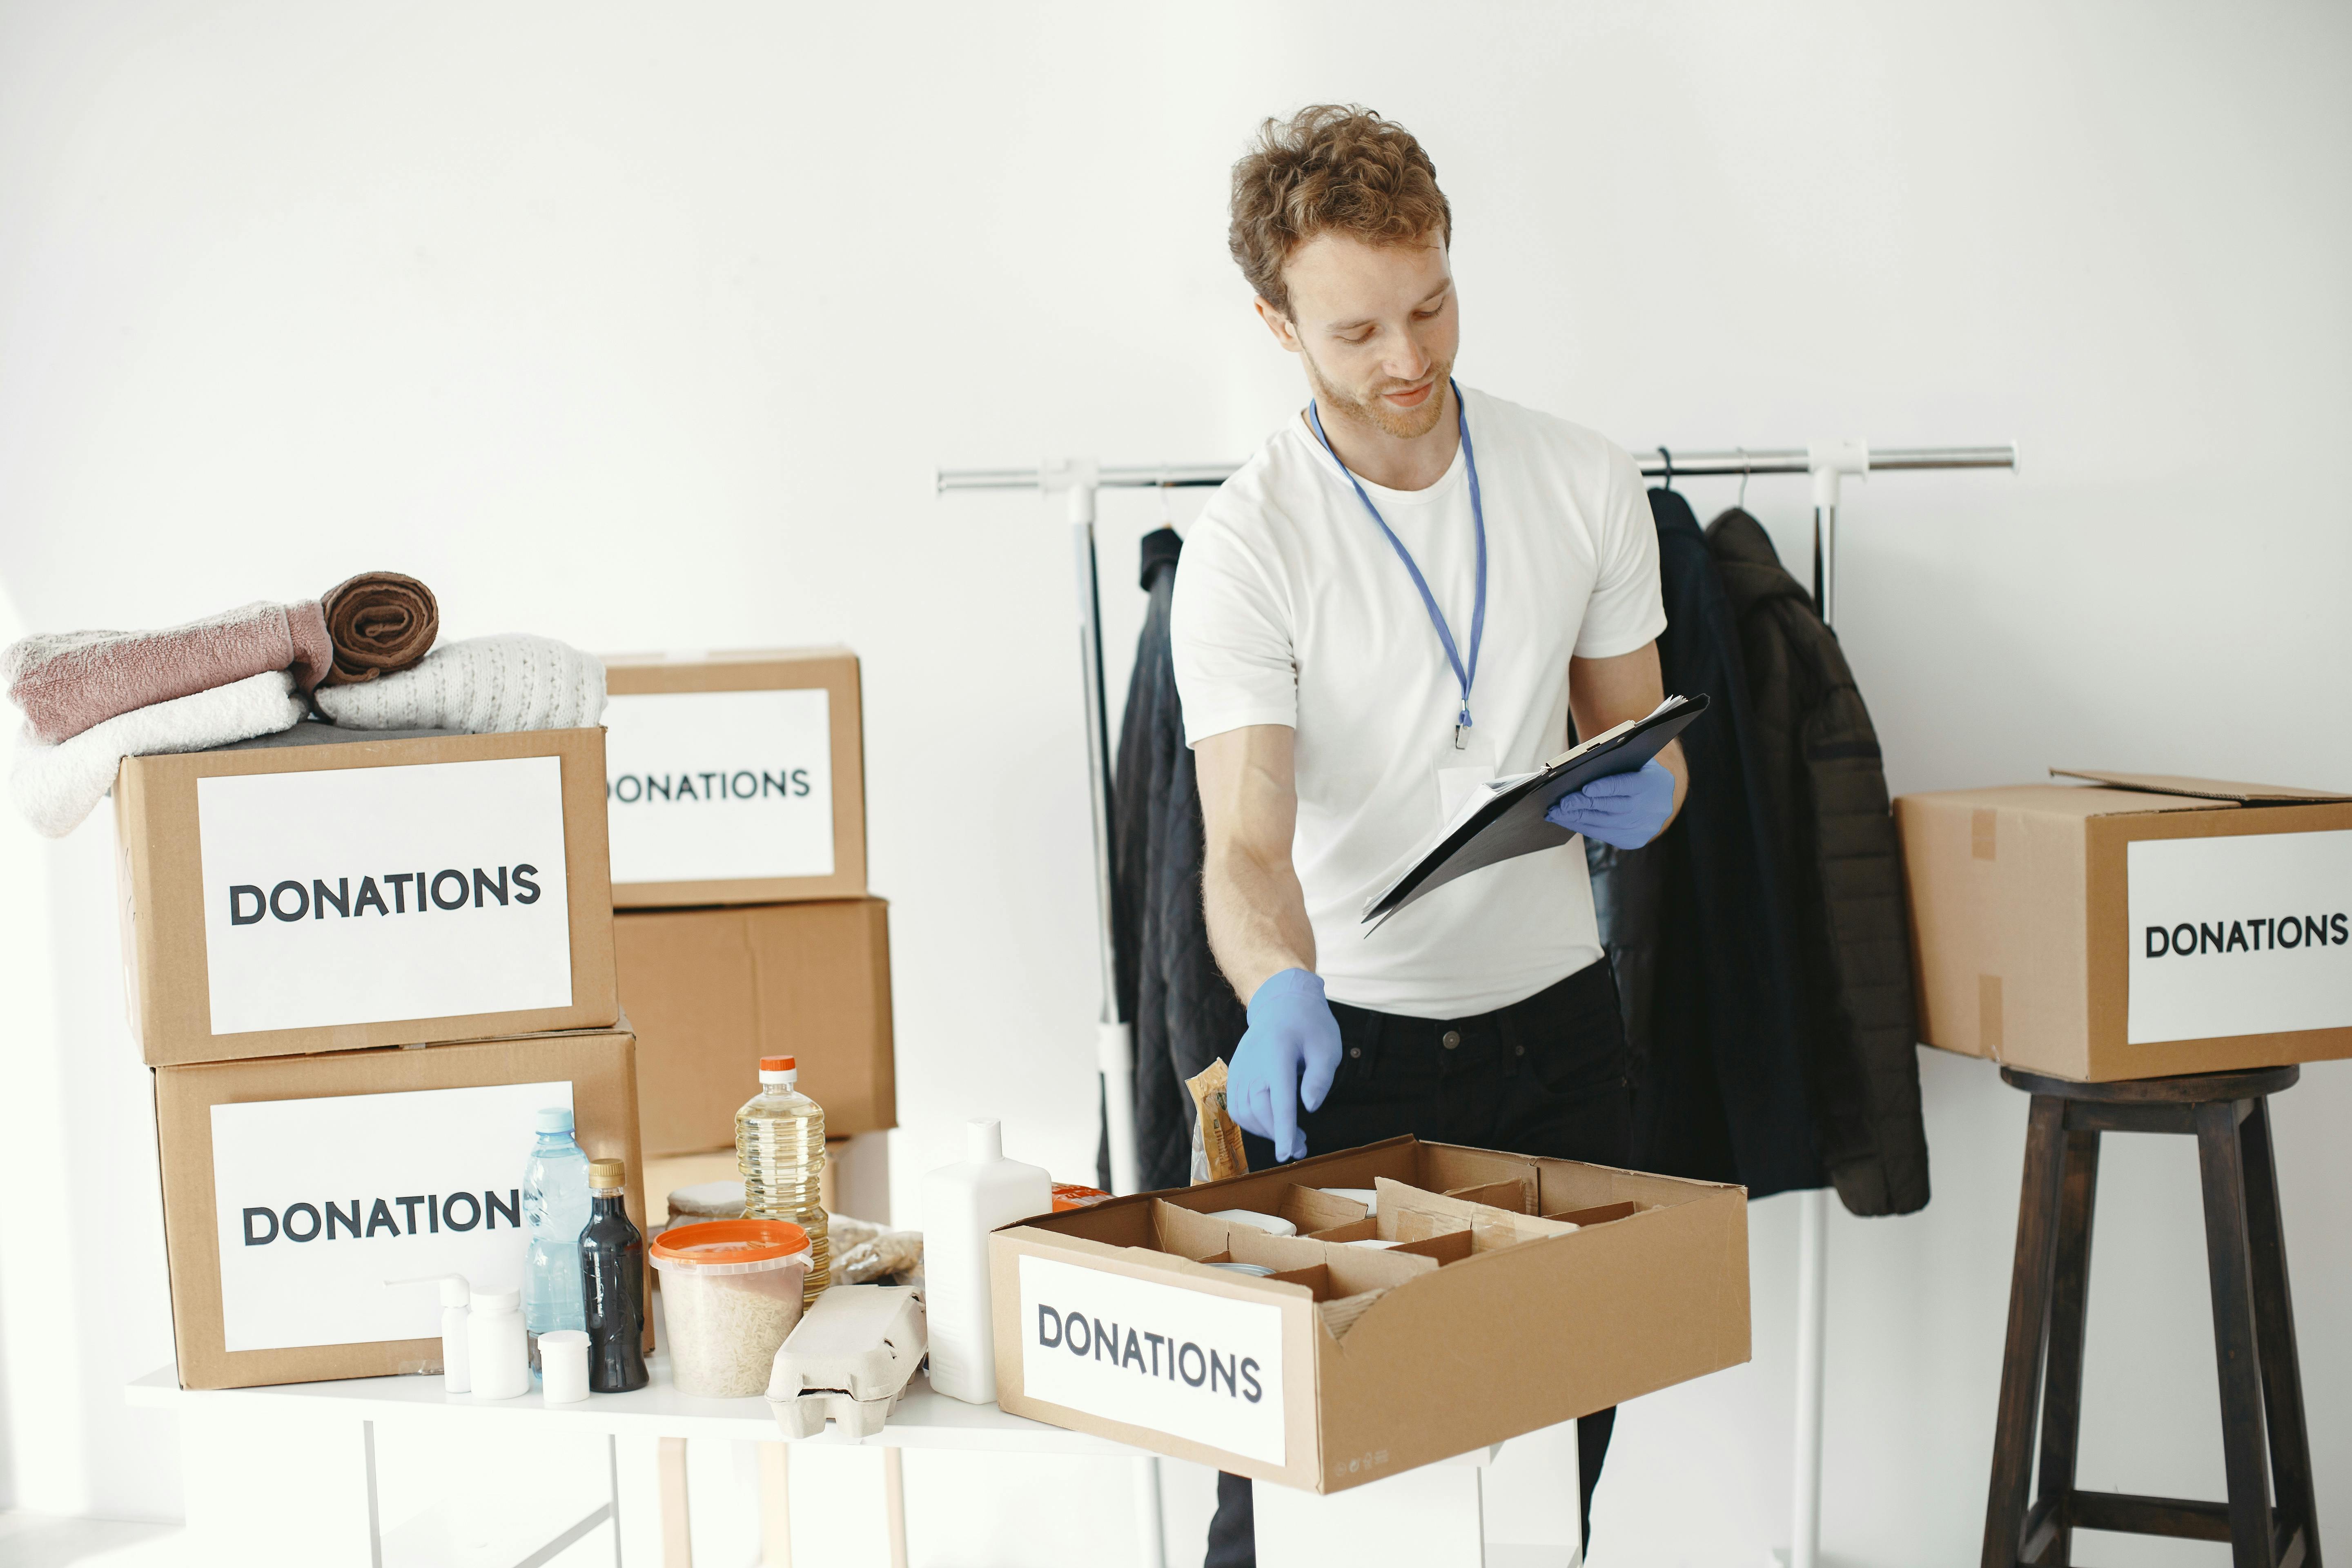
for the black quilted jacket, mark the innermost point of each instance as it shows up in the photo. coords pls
(1698, 923)
(1827, 790)
(1184, 1014)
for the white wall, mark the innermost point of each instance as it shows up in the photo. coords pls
(646, 327)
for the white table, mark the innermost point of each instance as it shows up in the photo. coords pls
(290, 1473)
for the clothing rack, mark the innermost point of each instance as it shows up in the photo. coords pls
(1828, 462)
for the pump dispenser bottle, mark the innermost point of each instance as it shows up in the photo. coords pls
(961, 1203)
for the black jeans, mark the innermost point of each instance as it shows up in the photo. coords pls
(1547, 1076)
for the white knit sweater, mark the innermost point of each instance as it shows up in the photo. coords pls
(480, 686)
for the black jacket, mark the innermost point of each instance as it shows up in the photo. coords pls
(1698, 923)
(1184, 1014)
(1827, 790)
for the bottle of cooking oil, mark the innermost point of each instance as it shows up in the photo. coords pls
(780, 1149)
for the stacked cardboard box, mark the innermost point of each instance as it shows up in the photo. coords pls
(736, 789)
(357, 969)
(2135, 925)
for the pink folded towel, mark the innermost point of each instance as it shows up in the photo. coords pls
(68, 682)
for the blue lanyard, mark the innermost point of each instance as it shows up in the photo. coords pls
(1468, 674)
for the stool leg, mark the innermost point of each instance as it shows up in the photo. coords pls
(2029, 1313)
(2227, 1253)
(2275, 1333)
(2061, 1393)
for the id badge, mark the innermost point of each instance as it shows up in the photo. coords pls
(1461, 775)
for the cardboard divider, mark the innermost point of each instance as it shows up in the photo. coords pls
(1353, 1269)
(1563, 1186)
(1517, 1196)
(1431, 1167)
(1600, 1214)
(1491, 1229)
(1312, 1209)
(1421, 1237)
(1199, 1238)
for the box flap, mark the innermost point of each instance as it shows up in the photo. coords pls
(2202, 789)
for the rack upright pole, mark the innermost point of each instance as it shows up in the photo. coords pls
(1114, 1048)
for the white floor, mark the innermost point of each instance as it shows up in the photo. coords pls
(45, 1540)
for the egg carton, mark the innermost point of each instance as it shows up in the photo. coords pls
(848, 1360)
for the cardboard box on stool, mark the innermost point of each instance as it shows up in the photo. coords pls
(711, 991)
(311, 892)
(735, 778)
(294, 1186)
(1523, 1292)
(2140, 926)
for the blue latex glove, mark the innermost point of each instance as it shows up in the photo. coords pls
(1623, 811)
(1287, 1057)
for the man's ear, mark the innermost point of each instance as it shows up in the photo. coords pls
(1278, 324)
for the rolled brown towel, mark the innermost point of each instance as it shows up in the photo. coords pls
(68, 682)
(380, 621)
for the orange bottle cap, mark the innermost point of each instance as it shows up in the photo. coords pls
(779, 1064)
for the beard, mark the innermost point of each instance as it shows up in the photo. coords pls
(1374, 408)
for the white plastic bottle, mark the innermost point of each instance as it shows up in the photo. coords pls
(456, 1361)
(496, 1347)
(961, 1203)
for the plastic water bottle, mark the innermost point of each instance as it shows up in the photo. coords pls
(780, 1149)
(554, 1212)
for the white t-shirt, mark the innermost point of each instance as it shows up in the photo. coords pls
(1292, 608)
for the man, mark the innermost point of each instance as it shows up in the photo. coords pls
(1410, 589)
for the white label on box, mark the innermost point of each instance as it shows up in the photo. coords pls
(364, 895)
(719, 785)
(1193, 1365)
(321, 1201)
(2238, 936)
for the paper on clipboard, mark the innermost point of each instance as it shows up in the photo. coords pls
(1505, 819)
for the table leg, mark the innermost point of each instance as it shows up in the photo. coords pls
(677, 1525)
(894, 1503)
(1152, 1533)
(775, 1506)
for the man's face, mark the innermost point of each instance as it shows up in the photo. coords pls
(1377, 325)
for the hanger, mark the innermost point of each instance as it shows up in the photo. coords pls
(1667, 483)
(1743, 471)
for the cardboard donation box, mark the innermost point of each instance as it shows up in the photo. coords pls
(709, 992)
(735, 778)
(1517, 1293)
(294, 1187)
(290, 897)
(2137, 927)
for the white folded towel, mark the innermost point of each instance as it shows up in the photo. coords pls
(482, 685)
(55, 787)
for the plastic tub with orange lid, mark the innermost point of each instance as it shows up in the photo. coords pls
(730, 1294)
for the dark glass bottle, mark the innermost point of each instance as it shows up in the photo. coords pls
(613, 1285)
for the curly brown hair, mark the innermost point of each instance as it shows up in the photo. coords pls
(1330, 166)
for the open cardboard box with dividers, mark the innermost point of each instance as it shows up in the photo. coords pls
(1518, 1292)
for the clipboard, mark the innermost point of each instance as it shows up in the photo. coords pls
(1507, 821)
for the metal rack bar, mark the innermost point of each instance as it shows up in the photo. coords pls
(1655, 461)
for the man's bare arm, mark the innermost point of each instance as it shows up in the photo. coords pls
(1603, 693)
(1249, 806)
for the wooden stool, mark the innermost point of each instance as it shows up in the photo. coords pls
(2253, 1324)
